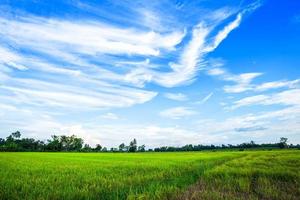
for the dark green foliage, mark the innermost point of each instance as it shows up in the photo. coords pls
(104, 149)
(283, 143)
(87, 148)
(98, 147)
(133, 146)
(141, 148)
(64, 143)
(16, 134)
(14, 142)
(123, 147)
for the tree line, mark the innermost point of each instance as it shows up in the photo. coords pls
(72, 143)
(63, 143)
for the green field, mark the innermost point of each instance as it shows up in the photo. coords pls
(192, 175)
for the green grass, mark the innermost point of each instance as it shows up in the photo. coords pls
(193, 175)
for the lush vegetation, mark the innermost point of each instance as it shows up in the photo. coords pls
(178, 175)
(64, 143)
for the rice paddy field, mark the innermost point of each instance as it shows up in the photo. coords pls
(192, 175)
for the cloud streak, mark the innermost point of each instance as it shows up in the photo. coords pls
(176, 96)
(177, 112)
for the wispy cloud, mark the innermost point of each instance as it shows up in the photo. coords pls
(177, 112)
(89, 38)
(194, 52)
(110, 116)
(288, 97)
(66, 49)
(176, 96)
(242, 82)
(205, 99)
(250, 129)
(277, 84)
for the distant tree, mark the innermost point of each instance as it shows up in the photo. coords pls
(54, 144)
(126, 148)
(77, 143)
(133, 146)
(10, 139)
(87, 148)
(122, 147)
(14, 142)
(98, 147)
(11, 143)
(283, 142)
(141, 148)
(16, 134)
(2, 141)
(104, 149)
(114, 149)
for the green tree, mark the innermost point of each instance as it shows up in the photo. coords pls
(77, 143)
(283, 143)
(98, 147)
(104, 149)
(16, 134)
(54, 144)
(133, 146)
(87, 148)
(12, 141)
(141, 148)
(122, 147)
(2, 141)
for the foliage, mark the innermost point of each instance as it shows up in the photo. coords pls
(283, 143)
(133, 146)
(72, 143)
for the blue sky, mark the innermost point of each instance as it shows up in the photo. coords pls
(163, 72)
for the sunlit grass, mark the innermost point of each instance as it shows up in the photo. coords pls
(255, 175)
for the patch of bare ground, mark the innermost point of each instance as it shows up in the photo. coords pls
(203, 191)
(212, 191)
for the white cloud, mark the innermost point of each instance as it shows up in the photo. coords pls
(192, 58)
(205, 99)
(224, 33)
(248, 86)
(177, 112)
(73, 87)
(193, 54)
(288, 97)
(110, 116)
(250, 101)
(70, 41)
(277, 84)
(243, 82)
(176, 96)
(42, 93)
(216, 71)
(85, 37)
